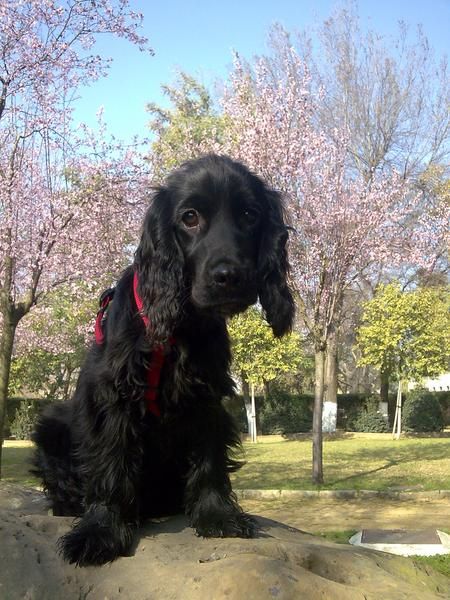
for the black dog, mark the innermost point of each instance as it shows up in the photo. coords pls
(146, 433)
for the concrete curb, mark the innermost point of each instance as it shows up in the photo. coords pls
(342, 494)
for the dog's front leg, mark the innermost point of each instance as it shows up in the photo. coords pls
(113, 465)
(99, 537)
(210, 502)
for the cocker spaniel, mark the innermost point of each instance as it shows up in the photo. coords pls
(146, 433)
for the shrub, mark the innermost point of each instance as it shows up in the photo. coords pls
(285, 413)
(422, 412)
(443, 397)
(349, 406)
(369, 418)
(236, 407)
(16, 402)
(24, 420)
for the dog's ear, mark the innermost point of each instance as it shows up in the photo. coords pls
(273, 288)
(160, 267)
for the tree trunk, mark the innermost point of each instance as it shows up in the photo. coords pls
(67, 383)
(317, 470)
(329, 417)
(384, 385)
(6, 349)
(397, 428)
(247, 404)
(384, 394)
(253, 415)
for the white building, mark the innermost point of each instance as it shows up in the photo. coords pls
(438, 384)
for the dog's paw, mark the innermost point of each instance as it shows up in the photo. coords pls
(95, 542)
(237, 524)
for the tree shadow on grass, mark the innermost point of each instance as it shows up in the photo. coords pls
(404, 455)
(360, 474)
(354, 467)
(327, 437)
(273, 475)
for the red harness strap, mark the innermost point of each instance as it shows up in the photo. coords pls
(105, 300)
(158, 354)
(157, 362)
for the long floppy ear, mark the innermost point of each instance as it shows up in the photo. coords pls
(274, 293)
(160, 267)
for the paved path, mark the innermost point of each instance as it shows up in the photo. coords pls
(319, 514)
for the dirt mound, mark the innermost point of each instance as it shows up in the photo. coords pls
(170, 562)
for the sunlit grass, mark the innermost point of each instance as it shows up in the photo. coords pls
(377, 463)
(371, 463)
(440, 563)
(16, 463)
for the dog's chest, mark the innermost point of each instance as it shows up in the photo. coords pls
(186, 382)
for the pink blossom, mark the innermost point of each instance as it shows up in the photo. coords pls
(342, 224)
(71, 202)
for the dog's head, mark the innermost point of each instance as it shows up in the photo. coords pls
(214, 236)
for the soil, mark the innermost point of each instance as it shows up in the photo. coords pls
(169, 561)
(317, 515)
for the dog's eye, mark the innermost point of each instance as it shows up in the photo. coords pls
(190, 218)
(251, 216)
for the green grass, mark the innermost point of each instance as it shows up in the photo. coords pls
(16, 462)
(370, 462)
(440, 563)
(338, 537)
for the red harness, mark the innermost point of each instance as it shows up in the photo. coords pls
(158, 354)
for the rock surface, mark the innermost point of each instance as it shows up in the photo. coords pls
(170, 562)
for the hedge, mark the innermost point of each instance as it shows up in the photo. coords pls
(368, 418)
(422, 412)
(282, 412)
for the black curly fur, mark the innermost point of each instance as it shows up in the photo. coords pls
(102, 457)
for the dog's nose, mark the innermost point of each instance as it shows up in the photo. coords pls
(226, 275)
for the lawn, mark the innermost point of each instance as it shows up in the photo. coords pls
(16, 462)
(367, 461)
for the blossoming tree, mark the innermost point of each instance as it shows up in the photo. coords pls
(67, 209)
(342, 225)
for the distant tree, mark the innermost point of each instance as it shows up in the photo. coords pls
(406, 334)
(391, 96)
(391, 93)
(435, 181)
(44, 374)
(188, 128)
(58, 207)
(259, 357)
(51, 342)
(343, 226)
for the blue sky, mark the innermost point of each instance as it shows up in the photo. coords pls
(198, 36)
